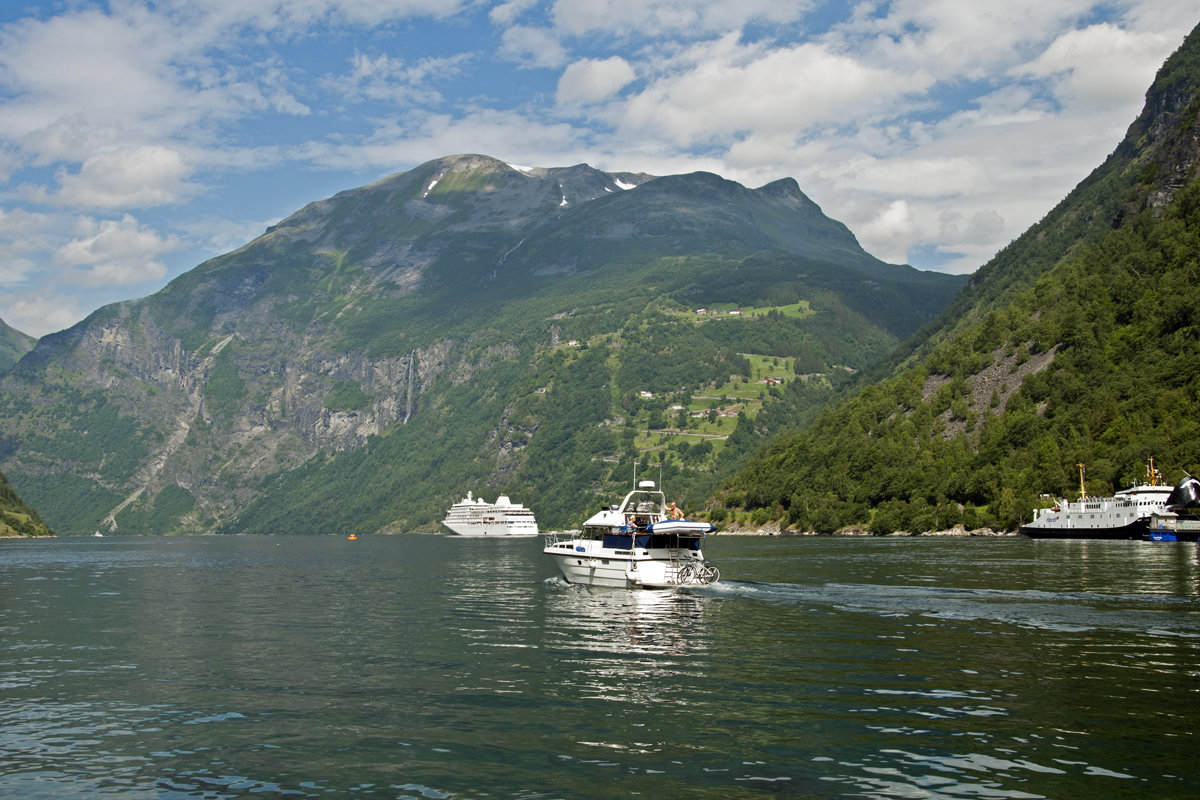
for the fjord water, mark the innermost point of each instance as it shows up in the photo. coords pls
(435, 667)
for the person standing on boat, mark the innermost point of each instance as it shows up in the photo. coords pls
(676, 512)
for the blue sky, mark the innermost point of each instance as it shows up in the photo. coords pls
(139, 138)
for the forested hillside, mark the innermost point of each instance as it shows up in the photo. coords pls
(16, 517)
(13, 345)
(464, 326)
(1075, 345)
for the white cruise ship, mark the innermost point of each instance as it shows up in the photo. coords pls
(474, 516)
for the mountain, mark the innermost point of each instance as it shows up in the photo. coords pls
(1077, 344)
(13, 345)
(465, 325)
(17, 518)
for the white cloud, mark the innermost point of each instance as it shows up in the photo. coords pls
(42, 313)
(509, 135)
(927, 126)
(126, 178)
(952, 38)
(982, 227)
(114, 252)
(724, 87)
(592, 80)
(650, 18)
(22, 240)
(533, 46)
(1100, 66)
(892, 232)
(505, 14)
(393, 80)
(55, 268)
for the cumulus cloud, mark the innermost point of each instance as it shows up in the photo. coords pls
(39, 314)
(123, 178)
(927, 126)
(57, 267)
(891, 232)
(981, 227)
(22, 239)
(114, 252)
(1100, 65)
(593, 80)
(724, 87)
(533, 46)
(660, 17)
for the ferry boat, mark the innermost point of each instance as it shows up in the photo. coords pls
(634, 545)
(1125, 515)
(474, 516)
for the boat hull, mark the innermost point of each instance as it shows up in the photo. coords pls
(584, 562)
(1171, 527)
(492, 531)
(634, 545)
(1133, 530)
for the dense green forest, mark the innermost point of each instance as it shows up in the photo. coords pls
(1097, 364)
(377, 354)
(16, 517)
(570, 423)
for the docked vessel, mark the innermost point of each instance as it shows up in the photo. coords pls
(474, 516)
(1125, 515)
(634, 545)
(1176, 522)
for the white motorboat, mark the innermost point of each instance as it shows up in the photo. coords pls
(634, 545)
(474, 516)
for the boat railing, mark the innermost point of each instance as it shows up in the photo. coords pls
(561, 537)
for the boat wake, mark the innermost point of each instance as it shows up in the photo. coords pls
(1064, 611)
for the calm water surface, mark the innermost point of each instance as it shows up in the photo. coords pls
(437, 667)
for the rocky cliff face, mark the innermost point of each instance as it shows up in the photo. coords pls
(370, 310)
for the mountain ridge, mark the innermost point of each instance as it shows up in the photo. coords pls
(312, 367)
(1074, 345)
(13, 345)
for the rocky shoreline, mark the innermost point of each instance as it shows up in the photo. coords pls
(958, 531)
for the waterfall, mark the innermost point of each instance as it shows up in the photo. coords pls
(408, 401)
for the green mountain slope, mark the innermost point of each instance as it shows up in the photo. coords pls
(13, 345)
(1143, 172)
(466, 325)
(1077, 344)
(16, 518)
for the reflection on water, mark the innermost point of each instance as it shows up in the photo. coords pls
(627, 646)
(435, 667)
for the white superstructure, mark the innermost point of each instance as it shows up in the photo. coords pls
(1125, 515)
(474, 516)
(634, 545)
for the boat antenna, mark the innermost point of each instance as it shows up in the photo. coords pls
(1082, 491)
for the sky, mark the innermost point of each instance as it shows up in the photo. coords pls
(138, 139)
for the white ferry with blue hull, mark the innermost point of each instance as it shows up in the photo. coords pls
(634, 545)
(1125, 515)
